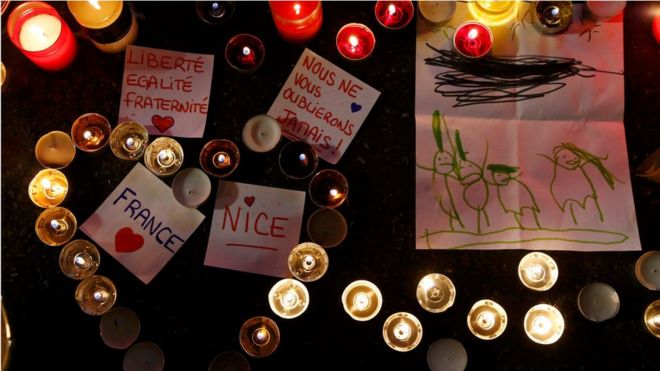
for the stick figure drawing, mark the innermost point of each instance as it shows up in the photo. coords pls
(514, 196)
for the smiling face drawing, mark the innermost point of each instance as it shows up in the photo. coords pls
(443, 162)
(468, 172)
(567, 159)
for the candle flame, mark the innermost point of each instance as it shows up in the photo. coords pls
(95, 4)
(46, 184)
(391, 9)
(334, 193)
(402, 331)
(296, 8)
(87, 135)
(353, 40)
(361, 301)
(473, 33)
(246, 50)
(542, 325)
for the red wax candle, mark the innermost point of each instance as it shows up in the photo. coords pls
(656, 28)
(297, 21)
(473, 39)
(245, 52)
(355, 41)
(394, 14)
(41, 34)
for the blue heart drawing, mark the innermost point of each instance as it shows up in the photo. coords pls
(355, 107)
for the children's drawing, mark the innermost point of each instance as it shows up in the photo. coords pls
(471, 176)
(504, 179)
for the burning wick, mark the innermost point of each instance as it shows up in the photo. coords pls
(361, 301)
(261, 336)
(221, 160)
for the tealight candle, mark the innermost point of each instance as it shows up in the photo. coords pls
(55, 226)
(145, 356)
(48, 188)
(655, 28)
(552, 16)
(605, 10)
(328, 188)
(437, 12)
(3, 75)
(394, 14)
(191, 187)
(402, 331)
(55, 150)
(446, 355)
(259, 336)
(544, 324)
(90, 132)
(493, 13)
(96, 295)
(308, 261)
(245, 53)
(473, 39)
(111, 25)
(538, 271)
(79, 259)
(6, 336)
(298, 160)
(598, 302)
(219, 157)
(327, 227)
(229, 361)
(163, 156)
(362, 300)
(215, 12)
(261, 133)
(355, 41)
(119, 328)
(487, 320)
(647, 270)
(652, 318)
(41, 35)
(128, 140)
(297, 21)
(436, 293)
(288, 298)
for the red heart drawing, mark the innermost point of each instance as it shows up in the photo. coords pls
(127, 241)
(249, 200)
(162, 123)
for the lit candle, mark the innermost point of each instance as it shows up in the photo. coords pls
(111, 25)
(297, 21)
(394, 14)
(40, 33)
(163, 156)
(119, 328)
(647, 270)
(261, 133)
(145, 356)
(436, 293)
(128, 140)
(493, 13)
(96, 295)
(3, 76)
(604, 10)
(245, 53)
(308, 261)
(656, 28)
(362, 300)
(355, 41)
(538, 271)
(6, 331)
(437, 12)
(598, 302)
(327, 227)
(328, 188)
(229, 361)
(473, 39)
(90, 132)
(552, 16)
(487, 319)
(544, 324)
(298, 160)
(219, 157)
(652, 318)
(55, 226)
(191, 187)
(446, 355)
(288, 298)
(402, 331)
(48, 188)
(215, 12)
(259, 336)
(79, 259)
(55, 150)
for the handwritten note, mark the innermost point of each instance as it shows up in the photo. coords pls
(141, 224)
(322, 105)
(166, 91)
(254, 228)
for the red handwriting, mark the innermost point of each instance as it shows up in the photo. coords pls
(164, 61)
(321, 113)
(350, 88)
(260, 224)
(317, 68)
(136, 100)
(149, 82)
(304, 83)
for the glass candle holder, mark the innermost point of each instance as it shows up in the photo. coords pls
(394, 15)
(355, 41)
(79, 259)
(598, 302)
(327, 227)
(6, 338)
(447, 355)
(48, 188)
(119, 328)
(298, 160)
(362, 300)
(552, 17)
(191, 187)
(544, 324)
(219, 157)
(96, 295)
(145, 356)
(297, 21)
(402, 331)
(215, 12)
(128, 140)
(288, 298)
(487, 320)
(229, 361)
(111, 25)
(163, 156)
(437, 12)
(652, 318)
(259, 336)
(261, 133)
(647, 270)
(436, 293)
(90, 132)
(538, 271)
(245, 53)
(3, 76)
(473, 39)
(493, 13)
(55, 150)
(55, 226)
(308, 261)
(328, 188)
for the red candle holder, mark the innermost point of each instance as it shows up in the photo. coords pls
(394, 14)
(473, 39)
(297, 21)
(219, 157)
(355, 41)
(245, 53)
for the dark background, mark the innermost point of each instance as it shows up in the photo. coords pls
(194, 312)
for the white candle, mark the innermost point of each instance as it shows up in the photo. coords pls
(120, 327)
(146, 356)
(447, 355)
(544, 324)
(437, 11)
(191, 187)
(605, 10)
(598, 302)
(40, 32)
(647, 270)
(261, 133)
